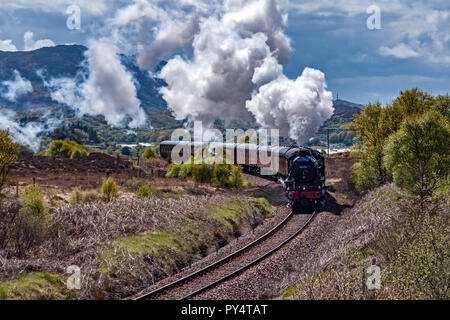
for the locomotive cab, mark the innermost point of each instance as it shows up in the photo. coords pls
(305, 183)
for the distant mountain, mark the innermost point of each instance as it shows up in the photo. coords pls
(344, 113)
(346, 109)
(66, 61)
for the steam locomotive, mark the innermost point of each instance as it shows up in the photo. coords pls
(300, 170)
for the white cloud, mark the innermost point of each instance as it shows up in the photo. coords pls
(15, 88)
(93, 7)
(138, 10)
(7, 45)
(30, 44)
(400, 51)
(421, 26)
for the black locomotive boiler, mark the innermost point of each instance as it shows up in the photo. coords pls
(300, 170)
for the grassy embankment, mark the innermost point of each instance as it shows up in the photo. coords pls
(387, 228)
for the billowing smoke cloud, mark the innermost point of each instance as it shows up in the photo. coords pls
(105, 88)
(298, 107)
(15, 88)
(174, 26)
(26, 134)
(232, 68)
(235, 73)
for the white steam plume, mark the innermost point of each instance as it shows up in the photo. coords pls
(15, 88)
(298, 107)
(108, 89)
(26, 134)
(174, 26)
(236, 72)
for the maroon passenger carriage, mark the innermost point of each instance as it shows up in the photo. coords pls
(300, 170)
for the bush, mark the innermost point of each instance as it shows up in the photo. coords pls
(149, 153)
(202, 172)
(417, 252)
(110, 190)
(8, 155)
(174, 170)
(225, 175)
(66, 148)
(145, 191)
(78, 196)
(52, 196)
(31, 224)
(79, 154)
(419, 154)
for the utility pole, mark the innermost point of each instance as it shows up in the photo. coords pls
(328, 140)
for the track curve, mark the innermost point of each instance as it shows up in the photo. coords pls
(233, 264)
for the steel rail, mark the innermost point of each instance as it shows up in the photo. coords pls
(214, 265)
(249, 265)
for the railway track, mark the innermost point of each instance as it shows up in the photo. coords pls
(233, 264)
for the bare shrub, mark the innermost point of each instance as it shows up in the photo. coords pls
(8, 212)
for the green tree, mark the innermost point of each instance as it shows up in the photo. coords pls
(374, 126)
(149, 153)
(8, 155)
(126, 151)
(442, 105)
(66, 148)
(419, 153)
(370, 172)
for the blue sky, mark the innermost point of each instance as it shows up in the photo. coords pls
(412, 48)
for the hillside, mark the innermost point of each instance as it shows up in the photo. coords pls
(67, 61)
(344, 112)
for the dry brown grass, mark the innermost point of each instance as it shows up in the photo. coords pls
(371, 230)
(79, 235)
